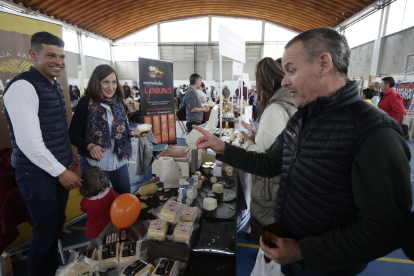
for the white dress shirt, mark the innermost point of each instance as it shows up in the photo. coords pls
(22, 104)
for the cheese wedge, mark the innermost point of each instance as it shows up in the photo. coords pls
(157, 230)
(137, 268)
(109, 254)
(129, 252)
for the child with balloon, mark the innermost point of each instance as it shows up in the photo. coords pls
(97, 201)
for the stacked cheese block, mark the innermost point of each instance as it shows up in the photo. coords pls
(189, 186)
(174, 213)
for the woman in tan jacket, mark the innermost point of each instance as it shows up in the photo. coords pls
(275, 108)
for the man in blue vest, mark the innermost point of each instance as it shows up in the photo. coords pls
(344, 202)
(34, 108)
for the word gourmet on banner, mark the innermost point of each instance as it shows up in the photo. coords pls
(157, 98)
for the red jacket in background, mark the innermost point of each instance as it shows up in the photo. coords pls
(98, 211)
(392, 103)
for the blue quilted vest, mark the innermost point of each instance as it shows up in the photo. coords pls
(52, 118)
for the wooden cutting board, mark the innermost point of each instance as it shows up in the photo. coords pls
(176, 152)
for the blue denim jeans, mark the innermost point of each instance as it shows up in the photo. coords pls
(182, 100)
(119, 178)
(293, 269)
(46, 199)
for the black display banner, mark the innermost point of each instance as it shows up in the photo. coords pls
(157, 98)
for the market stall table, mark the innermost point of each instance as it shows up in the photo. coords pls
(213, 244)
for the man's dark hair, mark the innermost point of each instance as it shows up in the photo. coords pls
(40, 38)
(323, 39)
(389, 80)
(193, 78)
(369, 93)
(243, 82)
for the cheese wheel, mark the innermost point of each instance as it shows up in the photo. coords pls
(129, 252)
(157, 230)
(183, 231)
(78, 269)
(137, 268)
(149, 189)
(109, 254)
(91, 254)
(189, 214)
(186, 201)
(218, 188)
(171, 212)
(142, 128)
(213, 179)
(210, 203)
(166, 267)
(187, 191)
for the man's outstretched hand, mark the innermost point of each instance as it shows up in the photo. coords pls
(209, 141)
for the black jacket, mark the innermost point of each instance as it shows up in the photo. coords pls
(345, 189)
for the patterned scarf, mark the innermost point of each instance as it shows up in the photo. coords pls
(97, 128)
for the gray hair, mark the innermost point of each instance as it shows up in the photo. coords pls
(325, 40)
(376, 84)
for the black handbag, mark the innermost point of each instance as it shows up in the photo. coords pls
(182, 113)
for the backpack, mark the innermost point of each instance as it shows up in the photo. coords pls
(182, 113)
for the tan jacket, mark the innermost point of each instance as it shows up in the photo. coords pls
(264, 190)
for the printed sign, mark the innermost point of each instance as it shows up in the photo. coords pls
(237, 68)
(406, 90)
(157, 98)
(231, 44)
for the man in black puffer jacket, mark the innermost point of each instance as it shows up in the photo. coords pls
(344, 201)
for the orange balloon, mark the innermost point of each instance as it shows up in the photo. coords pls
(125, 210)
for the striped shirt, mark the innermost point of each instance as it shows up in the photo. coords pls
(110, 161)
